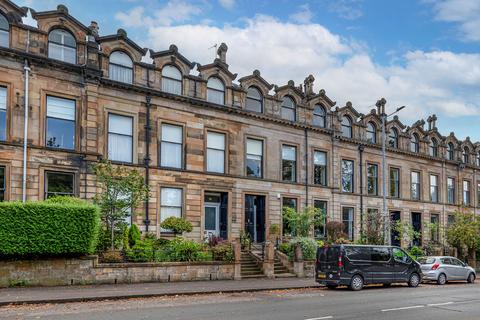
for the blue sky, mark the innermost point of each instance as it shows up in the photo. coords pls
(424, 54)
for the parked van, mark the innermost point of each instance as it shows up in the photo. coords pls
(358, 265)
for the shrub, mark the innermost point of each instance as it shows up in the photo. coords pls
(223, 252)
(180, 249)
(126, 243)
(285, 248)
(104, 237)
(112, 256)
(142, 251)
(308, 245)
(66, 200)
(48, 229)
(176, 225)
(415, 252)
(320, 243)
(335, 231)
(134, 235)
(245, 240)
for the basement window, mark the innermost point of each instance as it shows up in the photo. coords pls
(59, 184)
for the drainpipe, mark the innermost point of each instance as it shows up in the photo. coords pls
(25, 133)
(306, 167)
(360, 153)
(146, 159)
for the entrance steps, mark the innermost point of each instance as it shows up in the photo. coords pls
(249, 267)
(281, 271)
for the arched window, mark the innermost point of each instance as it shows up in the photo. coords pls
(172, 80)
(288, 111)
(120, 67)
(371, 133)
(478, 159)
(215, 91)
(254, 100)
(414, 143)
(62, 46)
(319, 116)
(347, 127)
(451, 151)
(393, 138)
(466, 155)
(433, 147)
(4, 31)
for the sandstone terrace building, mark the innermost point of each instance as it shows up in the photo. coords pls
(226, 156)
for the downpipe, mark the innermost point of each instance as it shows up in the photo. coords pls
(26, 68)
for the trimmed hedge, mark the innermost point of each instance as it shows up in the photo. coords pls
(48, 228)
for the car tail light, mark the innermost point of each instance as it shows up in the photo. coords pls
(435, 266)
(340, 262)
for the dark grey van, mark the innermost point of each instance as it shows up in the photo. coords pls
(359, 265)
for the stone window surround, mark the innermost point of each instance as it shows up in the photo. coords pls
(43, 176)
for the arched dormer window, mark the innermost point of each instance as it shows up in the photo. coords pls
(215, 91)
(62, 46)
(319, 116)
(371, 132)
(347, 127)
(4, 31)
(451, 151)
(172, 80)
(478, 159)
(393, 138)
(288, 111)
(120, 67)
(433, 148)
(254, 100)
(466, 155)
(414, 143)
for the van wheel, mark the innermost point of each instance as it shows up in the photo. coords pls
(471, 278)
(414, 280)
(387, 285)
(442, 279)
(331, 286)
(357, 283)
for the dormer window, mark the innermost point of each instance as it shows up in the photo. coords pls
(171, 80)
(414, 143)
(347, 127)
(120, 67)
(433, 148)
(62, 46)
(288, 111)
(371, 133)
(254, 100)
(215, 91)
(4, 31)
(451, 151)
(319, 116)
(393, 138)
(466, 155)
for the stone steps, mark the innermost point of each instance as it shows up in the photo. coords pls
(249, 267)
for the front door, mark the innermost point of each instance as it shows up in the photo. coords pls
(394, 235)
(212, 219)
(255, 217)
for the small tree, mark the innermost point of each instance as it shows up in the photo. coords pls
(123, 189)
(373, 231)
(176, 225)
(405, 231)
(464, 234)
(299, 224)
(335, 231)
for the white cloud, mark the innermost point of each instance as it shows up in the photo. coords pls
(304, 15)
(464, 12)
(439, 82)
(347, 9)
(227, 4)
(173, 12)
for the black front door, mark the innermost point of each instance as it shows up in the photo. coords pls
(255, 217)
(417, 227)
(394, 235)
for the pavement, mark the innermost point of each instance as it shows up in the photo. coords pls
(34, 295)
(453, 301)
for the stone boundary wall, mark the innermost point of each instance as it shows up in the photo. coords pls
(87, 270)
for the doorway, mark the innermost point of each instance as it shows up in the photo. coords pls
(255, 217)
(394, 235)
(215, 214)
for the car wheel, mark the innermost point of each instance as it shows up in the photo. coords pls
(414, 280)
(357, 283)
(331, 286)
(442, 279)
(386, 285)
(471, 278)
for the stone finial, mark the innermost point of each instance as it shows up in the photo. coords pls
(432, 122)
(381, 106)
(62, 8)
(93, 27)
(291, 83)
(349, 104)
(173, 48)
(308, 84)
(121, 32)
(222, 52)
(256, 73)
(321, 92)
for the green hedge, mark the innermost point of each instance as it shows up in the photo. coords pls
(48, 228)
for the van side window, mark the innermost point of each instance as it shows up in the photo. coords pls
(358, 253)
(380, 254)
(400, 256)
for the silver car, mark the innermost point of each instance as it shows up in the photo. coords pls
(442, 269)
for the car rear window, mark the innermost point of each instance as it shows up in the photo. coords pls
(426, 260)
(328, 254)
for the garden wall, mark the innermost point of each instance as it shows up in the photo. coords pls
(87, 270)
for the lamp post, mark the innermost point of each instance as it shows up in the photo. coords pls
(386, 218)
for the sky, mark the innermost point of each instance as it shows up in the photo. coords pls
(423, 54)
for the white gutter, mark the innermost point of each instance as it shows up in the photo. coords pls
(25, 133)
